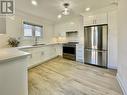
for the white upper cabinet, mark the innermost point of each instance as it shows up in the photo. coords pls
(101, 18)
(96, 19)
(88, 20)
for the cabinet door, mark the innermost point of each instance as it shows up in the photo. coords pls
(50, 52)
(80, 53)
(88, 20)
(36, 55)
(79, 57)
(101, 18)
(44, 53)
(30, 61)
(96, 19)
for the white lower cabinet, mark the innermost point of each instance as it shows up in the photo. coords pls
(35, 56)
(40, 54)
(80, 53)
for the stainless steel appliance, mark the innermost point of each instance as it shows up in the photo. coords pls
(69, 50)
(96, 45)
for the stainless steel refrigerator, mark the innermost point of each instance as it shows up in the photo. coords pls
(96, 45)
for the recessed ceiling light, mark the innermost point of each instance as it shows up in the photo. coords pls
(59, 16)
(34, 2)
(87, 9)
(91, 16)
(72, 23)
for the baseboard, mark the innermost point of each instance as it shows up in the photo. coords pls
(112, 67)
(32, 66)
(122, 85)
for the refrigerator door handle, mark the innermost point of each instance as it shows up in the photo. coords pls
(95, 37)
(101, 51)
(88, 49)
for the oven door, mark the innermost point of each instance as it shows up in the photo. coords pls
(69, 52)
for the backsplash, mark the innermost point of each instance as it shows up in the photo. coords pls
(3, 42)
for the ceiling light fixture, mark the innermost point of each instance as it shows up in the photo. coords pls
(72, 23)
(87, 9)
(66, 10)
(34, 2)
(59, 16)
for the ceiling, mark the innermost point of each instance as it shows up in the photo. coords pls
(51, 8)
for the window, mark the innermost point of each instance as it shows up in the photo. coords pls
(38, 31)
(31, 30)
(27, 30)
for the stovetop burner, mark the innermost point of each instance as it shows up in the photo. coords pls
(70, 44)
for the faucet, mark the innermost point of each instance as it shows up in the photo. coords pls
(36, 40)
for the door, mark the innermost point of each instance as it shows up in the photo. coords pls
(101, 58)
(89, 37)
(96, 57)
(90, 56)
(69, 52)
(101, 37)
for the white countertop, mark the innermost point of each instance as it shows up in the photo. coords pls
(8, 54)
(30, 46)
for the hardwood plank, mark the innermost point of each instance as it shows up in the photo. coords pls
(65, 77)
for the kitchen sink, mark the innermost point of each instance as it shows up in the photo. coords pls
(38, 44)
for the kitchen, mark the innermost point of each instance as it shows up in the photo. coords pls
(44, 49)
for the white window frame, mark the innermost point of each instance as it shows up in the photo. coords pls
(33, 29)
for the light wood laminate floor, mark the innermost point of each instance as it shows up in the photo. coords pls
(64, 77)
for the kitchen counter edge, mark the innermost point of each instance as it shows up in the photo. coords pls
(9, 54)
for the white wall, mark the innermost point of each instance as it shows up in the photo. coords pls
(65, 25)
(14, 28)
(122, 45)
(2, 24)
(112, 39)
(102, 10)
(70, 24)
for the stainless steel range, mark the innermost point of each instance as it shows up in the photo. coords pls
(69, 50)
